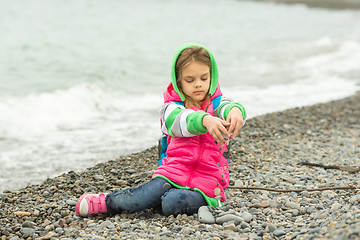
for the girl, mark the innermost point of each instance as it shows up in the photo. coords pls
(197, 121)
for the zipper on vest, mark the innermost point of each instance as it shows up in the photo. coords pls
(198, 159)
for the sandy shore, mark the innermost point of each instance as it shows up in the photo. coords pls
(267, 154)
(328, 4)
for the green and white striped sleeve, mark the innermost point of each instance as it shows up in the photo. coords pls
(181, 122)
(225, 106)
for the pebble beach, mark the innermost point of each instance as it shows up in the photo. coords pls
(267, 154)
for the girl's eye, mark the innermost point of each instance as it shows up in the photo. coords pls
(189, 81)
(204, 79)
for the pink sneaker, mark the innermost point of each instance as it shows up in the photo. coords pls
(89, 204)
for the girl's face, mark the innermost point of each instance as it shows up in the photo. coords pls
(195, 81)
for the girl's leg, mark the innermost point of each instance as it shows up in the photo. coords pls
(147, 195)
(182, 201)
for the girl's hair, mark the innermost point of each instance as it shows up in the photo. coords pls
(187, 56)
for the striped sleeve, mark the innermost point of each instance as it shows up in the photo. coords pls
(225, 106)
(181, 122)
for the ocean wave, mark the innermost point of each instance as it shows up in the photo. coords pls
(342, 59)
(81, 106)
(316, 89)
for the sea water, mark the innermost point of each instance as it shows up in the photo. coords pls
(81, 82)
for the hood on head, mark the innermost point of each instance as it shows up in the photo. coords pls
(214, 70)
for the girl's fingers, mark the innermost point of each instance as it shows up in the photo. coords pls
(232, 126)
(237, 129)
(225, 123)
(218, 129)
(217, 138)
(222, 134)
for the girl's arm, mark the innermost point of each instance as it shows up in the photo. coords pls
(225, 107)
(178, 121)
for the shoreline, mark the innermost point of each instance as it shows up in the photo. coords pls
(325, 4)
(266, 154)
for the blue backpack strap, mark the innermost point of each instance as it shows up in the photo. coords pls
(163, 142)
(162, 148)
(216, 102)
(179, 103)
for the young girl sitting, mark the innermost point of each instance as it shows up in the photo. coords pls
(198, 121)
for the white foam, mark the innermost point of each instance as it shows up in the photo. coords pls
(42, 114)
(344, 58)
(275, 98)
(46, 113)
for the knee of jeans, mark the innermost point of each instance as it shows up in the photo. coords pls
(170, 203)
(175, 196)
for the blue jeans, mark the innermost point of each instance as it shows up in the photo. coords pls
(154, 193)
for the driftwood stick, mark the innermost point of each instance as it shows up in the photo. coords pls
(350, 186)
(351, 170)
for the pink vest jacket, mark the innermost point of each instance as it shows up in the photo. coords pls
(196, 162)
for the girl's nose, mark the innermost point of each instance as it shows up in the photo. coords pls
(197, 83)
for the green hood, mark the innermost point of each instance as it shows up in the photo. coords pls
(214, 70)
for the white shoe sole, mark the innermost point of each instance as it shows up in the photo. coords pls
(84, 208)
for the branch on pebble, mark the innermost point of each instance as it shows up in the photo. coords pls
(350, 186)
(351, 170)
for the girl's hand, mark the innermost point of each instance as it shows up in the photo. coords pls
(235, 120)
(217, 128)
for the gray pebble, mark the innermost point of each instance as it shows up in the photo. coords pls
(296, 213)
(71, 202)
(355, 199)
(186, 231)
(98, 177)
(230, 226)
(227, 218)
(309, 210)
(315, 230)
(279, 232)
(253, 236)
(292, 205)
(246, 216)
(104, 225)
(231, 211)
(130, 171)
(271, 228)
(205, 216)
(27, 232)
(165, 233)
(111, 226)
(28, 224)
(336, 206)
(244, 225)
(321, 214)
(91, 225)
(305, 194)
